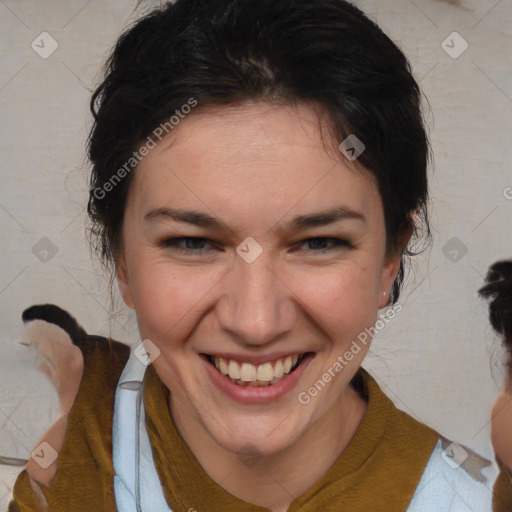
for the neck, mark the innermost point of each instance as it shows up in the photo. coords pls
(284, 476)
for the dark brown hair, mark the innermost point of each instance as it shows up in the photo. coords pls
(286, 51)
(498, 292)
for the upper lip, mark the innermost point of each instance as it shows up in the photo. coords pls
(256, 359)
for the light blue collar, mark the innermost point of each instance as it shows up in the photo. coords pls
(137, 486)
(445, 486)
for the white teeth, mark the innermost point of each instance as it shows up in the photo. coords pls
(247, 374)
(278, 369)
(221, 365)
(265, 372)
(234, 370)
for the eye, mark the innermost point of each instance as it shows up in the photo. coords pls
(197, 245)
(193, 245)
(319, 243)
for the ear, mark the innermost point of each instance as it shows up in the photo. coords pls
(391, 267)
(123, 280)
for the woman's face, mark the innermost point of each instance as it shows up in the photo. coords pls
(258, 286)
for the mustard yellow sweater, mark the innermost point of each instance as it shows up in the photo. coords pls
(379, 470)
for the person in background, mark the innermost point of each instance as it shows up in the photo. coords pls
(498, 291)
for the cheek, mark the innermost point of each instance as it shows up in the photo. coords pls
(168, 300)
(344, 300)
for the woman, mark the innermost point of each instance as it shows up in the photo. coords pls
(259, 170)
(498, 290)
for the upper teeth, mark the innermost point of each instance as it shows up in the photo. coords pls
(248, 372)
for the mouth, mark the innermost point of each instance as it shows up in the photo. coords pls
(266, 374)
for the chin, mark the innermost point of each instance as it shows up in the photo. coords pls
(265, 436)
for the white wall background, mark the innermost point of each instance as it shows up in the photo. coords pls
(433, 360)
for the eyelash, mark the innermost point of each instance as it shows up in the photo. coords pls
(173, 242)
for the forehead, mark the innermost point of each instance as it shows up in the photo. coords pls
(256, 157)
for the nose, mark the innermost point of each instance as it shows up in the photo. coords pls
(257, 307)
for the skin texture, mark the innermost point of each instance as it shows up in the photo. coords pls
(501, 420)
(255, 166)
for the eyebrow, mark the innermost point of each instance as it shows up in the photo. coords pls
(322, 218)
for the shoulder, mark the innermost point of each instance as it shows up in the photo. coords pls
(86, 452)
(446, 476)
(405, 436)
(90, 418)
(104, 360)
(455, 479)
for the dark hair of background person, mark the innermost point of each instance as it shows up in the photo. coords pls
(498, 292)
(284, 52)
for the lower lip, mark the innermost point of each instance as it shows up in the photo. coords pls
(256, 394)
